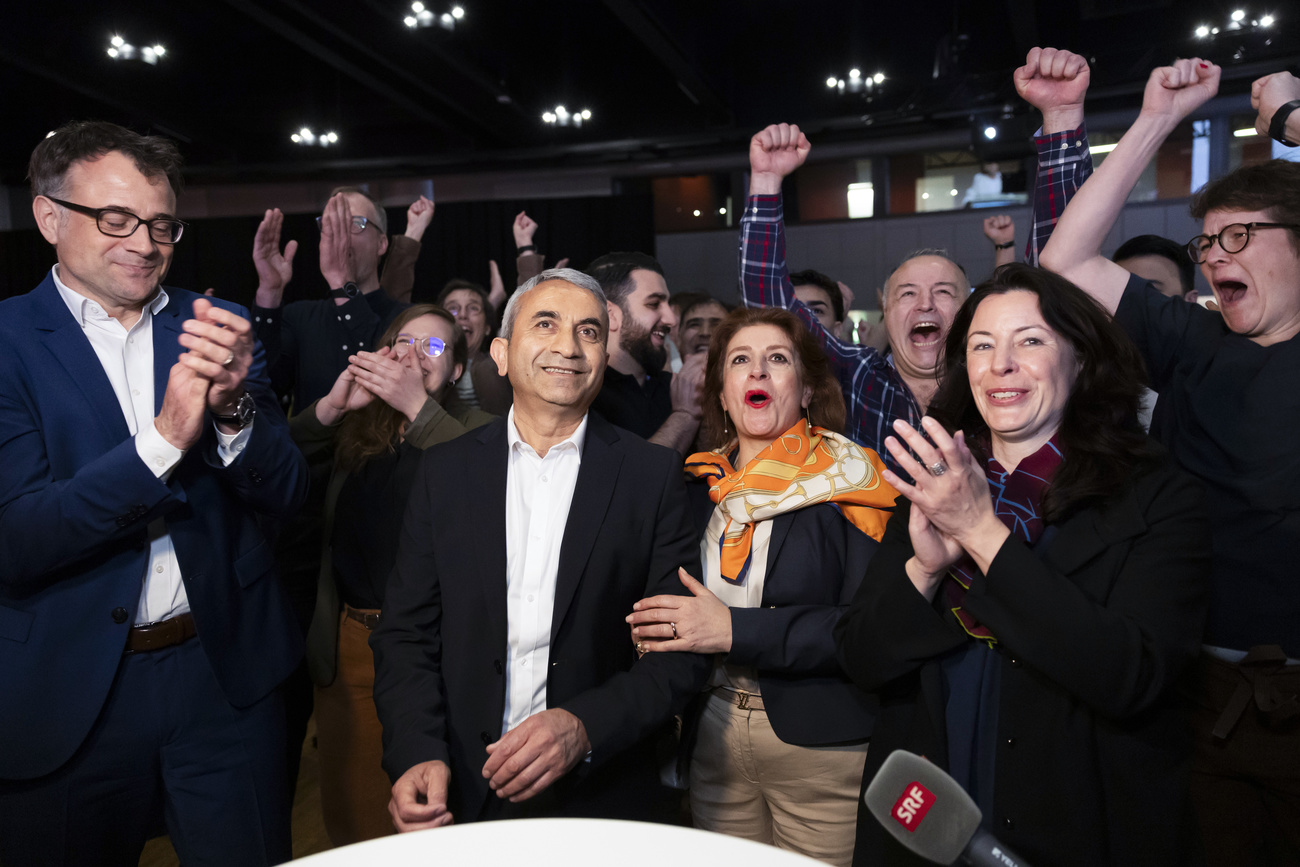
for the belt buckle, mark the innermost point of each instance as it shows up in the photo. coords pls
(742, 700)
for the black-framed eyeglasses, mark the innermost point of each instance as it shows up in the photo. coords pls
(1232, 238)
(358, 224)
(430, 346)
(122, 224)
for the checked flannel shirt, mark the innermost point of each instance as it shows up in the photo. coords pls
(874, 393)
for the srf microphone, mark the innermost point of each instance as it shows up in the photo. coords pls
(931, 815)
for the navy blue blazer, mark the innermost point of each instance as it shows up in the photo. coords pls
(440, 683)
(75, 503)
(815, 563)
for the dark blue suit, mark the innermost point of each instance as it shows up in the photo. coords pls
(75, 502)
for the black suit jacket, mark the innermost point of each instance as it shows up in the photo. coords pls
(1095, 626)
(815, 563)
(441, 643)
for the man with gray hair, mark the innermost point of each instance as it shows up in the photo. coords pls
(504, 675)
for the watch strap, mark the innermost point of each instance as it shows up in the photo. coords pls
(1277, 126)
(1007, 246)
(349, 290)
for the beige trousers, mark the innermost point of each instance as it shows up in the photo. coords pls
(747, 783)
(354, 790)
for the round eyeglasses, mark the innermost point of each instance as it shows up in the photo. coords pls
(430, 346)
(1232, 238)
(122, 224)
(358, 224)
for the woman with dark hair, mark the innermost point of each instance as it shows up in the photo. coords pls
(1041, 587)
(481, 386)
(789, 513)
(383, 411)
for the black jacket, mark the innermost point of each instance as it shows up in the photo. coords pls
(1094, 629)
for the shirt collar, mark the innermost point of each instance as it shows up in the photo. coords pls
(574, 440)
(78, 304)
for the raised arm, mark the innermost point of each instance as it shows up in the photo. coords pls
(1271, 94)
(1055, 82)
(398, 277)
(1074, 252)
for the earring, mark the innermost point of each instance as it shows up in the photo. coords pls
(724, 422)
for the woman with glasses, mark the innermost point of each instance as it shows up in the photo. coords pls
(1228, 412)
(383, 410)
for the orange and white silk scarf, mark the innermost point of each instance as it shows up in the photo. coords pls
(802, 467)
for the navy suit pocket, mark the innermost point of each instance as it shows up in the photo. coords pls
(255, 564)
(15, 625)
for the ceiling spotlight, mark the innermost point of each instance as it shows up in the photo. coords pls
(925, 195)
(697, 213)
(864, 86)
(305, 136)
(1266, 21)
(952, 192)
(990, 132)
(1202, 32)
(120, 49)
(422, 16)
(722, 211)
(561, 116)
(1238, 14)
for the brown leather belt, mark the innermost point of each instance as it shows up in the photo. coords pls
(165, 633)
(738, 697)
(367, 617)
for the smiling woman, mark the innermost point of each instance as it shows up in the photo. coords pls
(1042, 585)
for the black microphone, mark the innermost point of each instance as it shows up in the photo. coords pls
(931, 815)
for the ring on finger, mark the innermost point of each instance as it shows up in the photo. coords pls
(674, 626)
(938, 468)
(229, 359)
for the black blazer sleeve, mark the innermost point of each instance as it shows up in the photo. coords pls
(810, 581)
(632, 705)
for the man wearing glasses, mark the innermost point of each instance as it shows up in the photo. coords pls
(308, 342)
(143, 632)
(1229, 409)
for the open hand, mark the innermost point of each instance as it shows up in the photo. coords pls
(344, 397)
(220, 345)
(274, 268)
(700, 623)
(398, 384)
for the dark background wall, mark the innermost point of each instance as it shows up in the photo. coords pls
(217, 252)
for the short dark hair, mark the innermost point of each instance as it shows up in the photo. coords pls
(809, 277)
(683, 301)
(1100, 438)
(1154, 245)
(153, 155)
(825, 408)
(614, 273)
(1272, 186)
(380, 213)
(699, 299)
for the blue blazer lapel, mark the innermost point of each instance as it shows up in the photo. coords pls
(597, 476)
(71, 350)
(166, 348)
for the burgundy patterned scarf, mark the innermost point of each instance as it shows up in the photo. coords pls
(1018, 502)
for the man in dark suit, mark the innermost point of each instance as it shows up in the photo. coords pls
(143, 631)
(506, 680)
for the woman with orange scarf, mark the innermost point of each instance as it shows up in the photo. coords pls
(790, 513)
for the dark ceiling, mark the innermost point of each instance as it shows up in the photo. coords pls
(661, 77)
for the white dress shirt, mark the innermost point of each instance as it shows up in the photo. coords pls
(747, 595)
(127, 358)
(539, 491)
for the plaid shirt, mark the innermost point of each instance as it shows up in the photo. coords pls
(1064, 163)
(874, 392)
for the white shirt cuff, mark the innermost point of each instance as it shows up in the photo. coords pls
(160, 456)
(231, 446)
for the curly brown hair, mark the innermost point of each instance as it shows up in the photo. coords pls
(377, 428)
(825, 408)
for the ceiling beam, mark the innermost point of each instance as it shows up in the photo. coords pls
(665, 50)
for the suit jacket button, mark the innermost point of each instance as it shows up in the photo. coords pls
(119, 615)
(485, 737)
(496, 664)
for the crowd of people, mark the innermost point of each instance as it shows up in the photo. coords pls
(595, 548)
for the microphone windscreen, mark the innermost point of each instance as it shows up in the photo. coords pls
(922, 807)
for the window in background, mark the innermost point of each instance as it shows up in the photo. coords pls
(1247, 146)
(1172, 174)
(949, 180)
(834, 190)
(691, 203)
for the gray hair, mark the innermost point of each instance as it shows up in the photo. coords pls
(567, 275)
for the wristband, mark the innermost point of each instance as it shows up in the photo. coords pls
(1007, 246)
(527, 248)
(1277, 126)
